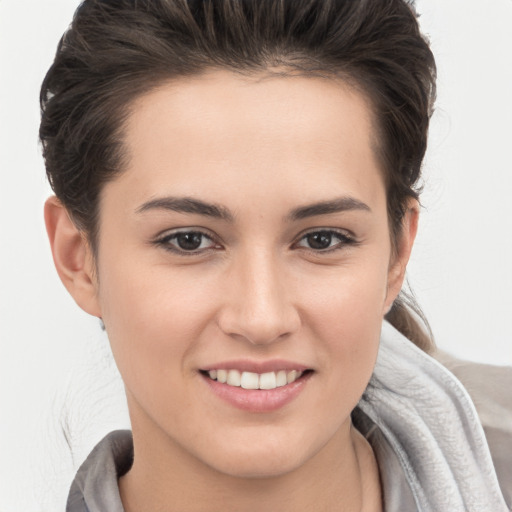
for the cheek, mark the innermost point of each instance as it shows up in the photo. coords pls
(154, 318)
(347, 300)
(345, 322)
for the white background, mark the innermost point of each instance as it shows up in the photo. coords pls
(55, 367)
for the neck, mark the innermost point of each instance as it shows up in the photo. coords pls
(341, 477)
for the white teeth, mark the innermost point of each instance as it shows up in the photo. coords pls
(234, 378)
(291, 376)
(268, 380)
(281, 378)
(251, 380)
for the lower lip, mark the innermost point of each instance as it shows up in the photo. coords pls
(258, 400)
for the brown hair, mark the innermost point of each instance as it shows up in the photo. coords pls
(117, 50)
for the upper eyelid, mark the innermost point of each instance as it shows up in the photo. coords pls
(176, 231)
(338, 231)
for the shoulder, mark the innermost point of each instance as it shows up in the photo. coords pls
(490, 390)
(95, 487)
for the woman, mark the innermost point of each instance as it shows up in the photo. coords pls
(235, 199)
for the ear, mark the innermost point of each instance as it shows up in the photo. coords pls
(398, 264)
(72, 256)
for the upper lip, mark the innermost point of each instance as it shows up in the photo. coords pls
(246, 365)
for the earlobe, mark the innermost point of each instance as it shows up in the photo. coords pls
(396, 274)
(72, 256)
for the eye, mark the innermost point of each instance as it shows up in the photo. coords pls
(191, 242)
(325, 240)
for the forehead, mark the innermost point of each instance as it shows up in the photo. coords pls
(200, 134)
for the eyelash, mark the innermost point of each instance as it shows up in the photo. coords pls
(344, 240)
(165, 242)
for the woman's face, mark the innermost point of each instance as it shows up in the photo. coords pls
(247, 236)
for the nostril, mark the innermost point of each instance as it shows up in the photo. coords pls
(258, 331)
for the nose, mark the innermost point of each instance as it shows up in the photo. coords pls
(258, 305)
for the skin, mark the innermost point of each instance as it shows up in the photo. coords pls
(258, 147)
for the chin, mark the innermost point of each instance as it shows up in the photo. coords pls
(259, 467)
(257, 459)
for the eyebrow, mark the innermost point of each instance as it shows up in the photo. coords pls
(187, 205)
(338, 205)
(196, 206)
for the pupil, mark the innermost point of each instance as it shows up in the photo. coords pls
(321, 240)
(189, 241)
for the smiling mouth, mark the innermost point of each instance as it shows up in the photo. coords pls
(251, 380)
